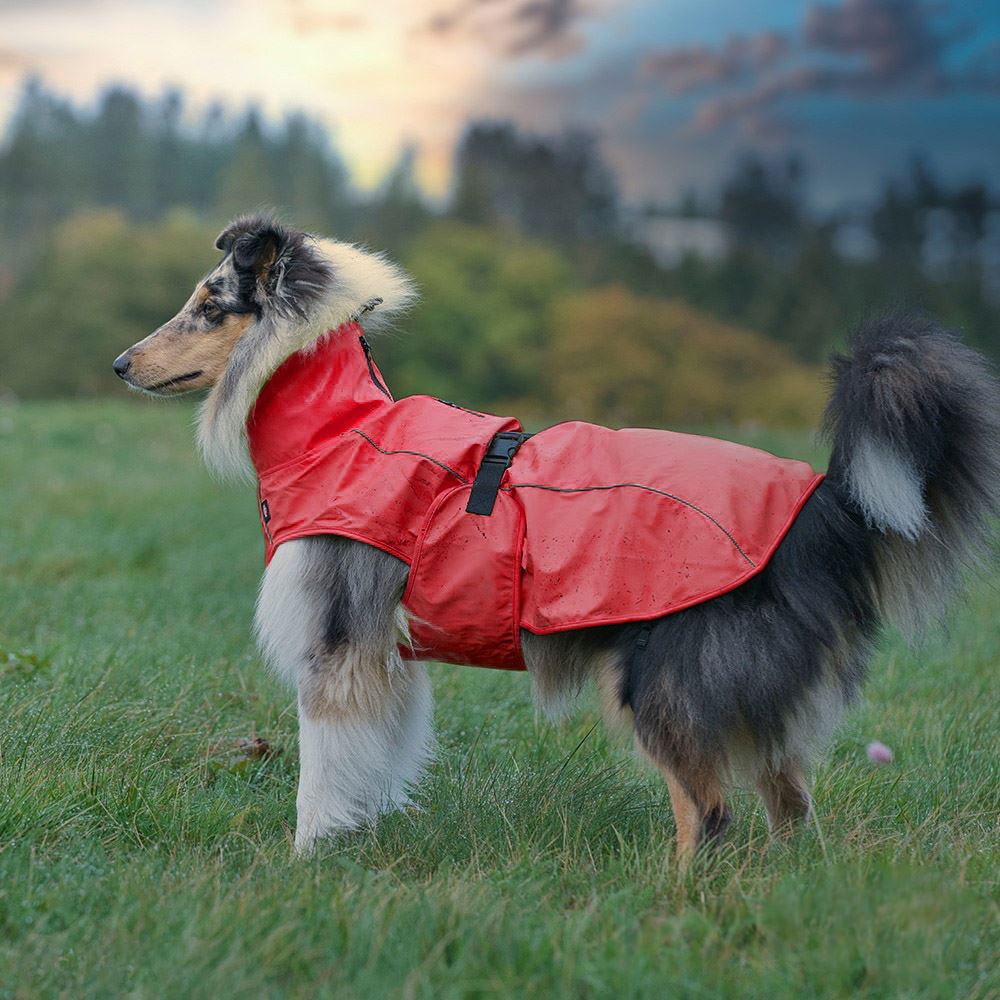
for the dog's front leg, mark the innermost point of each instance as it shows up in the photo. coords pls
(328, 621)
(364, 737)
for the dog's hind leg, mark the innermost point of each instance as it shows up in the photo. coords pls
(698, 803)
(676, 727)
(785, 792)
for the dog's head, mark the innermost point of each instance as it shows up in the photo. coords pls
(267, 270)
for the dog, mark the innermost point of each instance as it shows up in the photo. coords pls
(745, 686)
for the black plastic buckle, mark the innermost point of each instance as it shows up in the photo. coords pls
(495, 463)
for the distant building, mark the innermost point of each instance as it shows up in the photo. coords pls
(672, 238)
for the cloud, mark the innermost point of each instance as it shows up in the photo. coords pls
(685, 69)
(515, 27)
(898, 42)
(307, 17)
(13, 61)
(308, 21)
(858, 48)
(7, 6)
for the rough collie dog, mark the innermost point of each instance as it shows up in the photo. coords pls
(744, 686)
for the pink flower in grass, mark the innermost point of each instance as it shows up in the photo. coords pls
(879, 753)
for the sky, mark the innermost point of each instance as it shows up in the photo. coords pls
(673, 88)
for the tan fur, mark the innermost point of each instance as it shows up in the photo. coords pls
(353, 683)
(692, 807)
(179, 348)
(786, 798)
(692, 799)
(617, 717)
(687, 817)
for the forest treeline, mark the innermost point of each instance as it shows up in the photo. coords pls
(536, 291)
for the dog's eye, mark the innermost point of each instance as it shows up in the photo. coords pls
(212, 312)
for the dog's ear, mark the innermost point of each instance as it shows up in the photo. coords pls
(257, 252)
(253, 250)
(275, 265)
(256, 243)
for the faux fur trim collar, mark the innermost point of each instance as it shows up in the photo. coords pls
(359, 277)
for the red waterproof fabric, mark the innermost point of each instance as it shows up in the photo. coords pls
(591, 526)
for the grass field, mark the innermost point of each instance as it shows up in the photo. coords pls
(142, 852)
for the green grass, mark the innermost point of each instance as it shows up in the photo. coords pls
(142, 854)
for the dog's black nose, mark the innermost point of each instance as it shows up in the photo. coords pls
(121, 365)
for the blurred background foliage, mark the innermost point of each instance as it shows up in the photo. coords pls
(541, 291)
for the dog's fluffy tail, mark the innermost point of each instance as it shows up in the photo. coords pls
(915, 421)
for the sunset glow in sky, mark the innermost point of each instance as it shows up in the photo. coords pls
(673, 87)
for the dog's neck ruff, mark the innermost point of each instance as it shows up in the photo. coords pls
(590, 526)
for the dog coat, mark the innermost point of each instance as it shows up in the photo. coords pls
(572, 527)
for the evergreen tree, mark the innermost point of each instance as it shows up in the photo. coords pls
(122, 154)
(310, 178)
(398, 210)
(763, 206)
(248, 181)
(553, 189)
(169, 166)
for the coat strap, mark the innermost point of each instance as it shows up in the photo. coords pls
(495, 463)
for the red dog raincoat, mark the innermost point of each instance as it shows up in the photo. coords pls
(575, 526)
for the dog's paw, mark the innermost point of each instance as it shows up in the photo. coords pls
(307, 838)
(321, 819)
(305, 842)
(313, 825)
(309, 831)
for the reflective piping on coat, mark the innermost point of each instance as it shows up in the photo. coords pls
(415, 454)
(635, 486)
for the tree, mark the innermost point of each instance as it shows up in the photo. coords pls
(628, 360)
(970, 209)
(122, 157)
(762, 205)
(899, 227)
(247, 182)
(100, 285)
(397, 211)
(170, 181)
(477, 336)
(555, 189)
(38, 167)
(310, 180)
